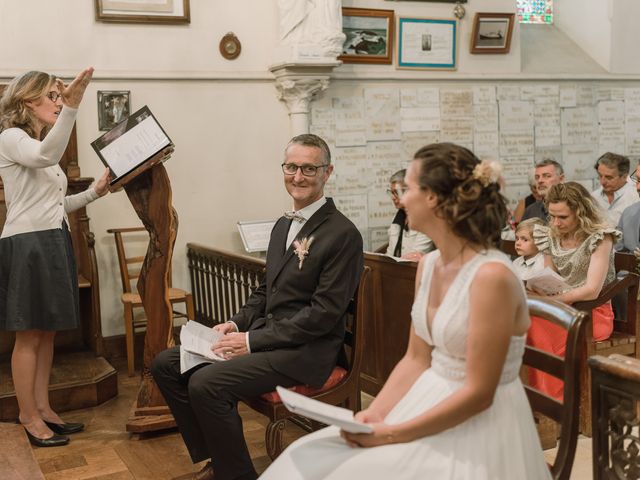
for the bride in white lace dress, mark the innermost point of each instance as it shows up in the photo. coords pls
(453, 407)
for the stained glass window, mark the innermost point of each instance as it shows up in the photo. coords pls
(535, 11)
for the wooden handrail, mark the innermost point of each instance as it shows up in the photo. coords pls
(221, 281)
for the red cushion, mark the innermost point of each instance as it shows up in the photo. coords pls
(337, 375)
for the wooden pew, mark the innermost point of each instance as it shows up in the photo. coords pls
(615, 389)
(387, 330)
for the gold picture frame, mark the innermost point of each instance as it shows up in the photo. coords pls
(369, 35)
(163, 12)
(492, 32)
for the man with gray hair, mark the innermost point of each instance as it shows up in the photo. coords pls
(615, 192)
(289, 332)
(547, 173)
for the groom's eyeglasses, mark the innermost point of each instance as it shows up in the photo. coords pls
(307, 170)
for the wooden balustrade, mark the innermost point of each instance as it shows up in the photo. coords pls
(221, 281)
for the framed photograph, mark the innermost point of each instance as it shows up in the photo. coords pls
(492, 32)
(432, 1)
(369, 35)
(427, 43)
(143, 11)
(113, 107)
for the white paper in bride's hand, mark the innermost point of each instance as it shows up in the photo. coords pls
(547, 282)
(391, 257)
(195, 345)
(322, 412)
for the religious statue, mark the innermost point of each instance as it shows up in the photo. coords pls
(310, 29)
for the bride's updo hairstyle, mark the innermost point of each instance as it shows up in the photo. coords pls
(468, 191)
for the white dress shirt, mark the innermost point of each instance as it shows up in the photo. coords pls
(306, 212)
(526, 268)
(622, 198)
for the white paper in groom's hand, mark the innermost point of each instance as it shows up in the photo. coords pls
(322, 412)
(195, 345)
(198, 338)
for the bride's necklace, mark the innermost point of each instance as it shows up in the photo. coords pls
(448, 266)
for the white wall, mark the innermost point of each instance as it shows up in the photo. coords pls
(228, 126)
(589, 24)
(625, 37)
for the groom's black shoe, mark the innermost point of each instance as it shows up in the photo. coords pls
(65, 428)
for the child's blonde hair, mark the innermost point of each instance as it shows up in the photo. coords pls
(529, 224)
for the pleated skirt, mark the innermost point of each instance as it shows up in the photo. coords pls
(38, 281)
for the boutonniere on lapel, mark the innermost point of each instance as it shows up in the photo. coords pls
(302, 249)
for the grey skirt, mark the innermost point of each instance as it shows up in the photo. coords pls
(38, 281)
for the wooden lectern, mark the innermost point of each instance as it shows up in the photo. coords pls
(150, 195)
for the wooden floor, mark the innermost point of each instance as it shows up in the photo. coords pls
(105, 451)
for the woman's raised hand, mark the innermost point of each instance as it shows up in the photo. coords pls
(72, 94)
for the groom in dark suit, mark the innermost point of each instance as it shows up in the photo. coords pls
(289, 332)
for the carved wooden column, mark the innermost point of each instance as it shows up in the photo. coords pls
(297, 84)
(615, 394)
(150, 195)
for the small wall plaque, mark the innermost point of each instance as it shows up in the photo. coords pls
(230, 46)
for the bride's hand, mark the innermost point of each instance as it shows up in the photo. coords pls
(368, 416)
(382, 434)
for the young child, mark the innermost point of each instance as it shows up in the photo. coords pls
(530, 260)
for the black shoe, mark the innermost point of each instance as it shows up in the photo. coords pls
(55, 441)
(65, 428)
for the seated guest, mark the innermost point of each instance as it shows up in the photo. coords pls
(530, 261)
(615, 192)
(453, 407)
(629, 223)
(547, 173)
(404, 242)
(579, 246)
(530, 199)
(290, 331)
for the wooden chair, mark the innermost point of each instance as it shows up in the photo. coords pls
(342, 388)
(625, 328)
(566, 413)
(131, 299)
(623, 340)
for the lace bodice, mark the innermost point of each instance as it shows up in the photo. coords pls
(573, 264)
(450, 325)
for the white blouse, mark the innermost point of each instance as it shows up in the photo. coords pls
(34, 184)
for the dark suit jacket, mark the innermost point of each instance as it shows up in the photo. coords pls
(298, 315)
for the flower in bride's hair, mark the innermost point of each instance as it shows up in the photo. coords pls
(487, 172)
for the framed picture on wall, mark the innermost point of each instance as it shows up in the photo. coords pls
(143, 11)
(369, 35)
(113, 107)
(429, 43)
(432, 1)
(492, 32)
